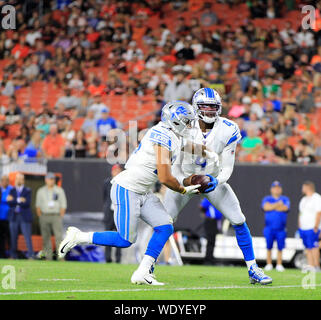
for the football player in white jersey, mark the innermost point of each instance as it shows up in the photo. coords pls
(131, 191)
(219, 135)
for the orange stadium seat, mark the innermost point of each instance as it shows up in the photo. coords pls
(317, 120)
(77, 123)
(262, 66)
(4, 100)
(195, 5)
(39, 86)
(6, 143)
(37, 243)
(14, 130)
(286, 86)
(293, 141)
(51, 49)
(36, 104)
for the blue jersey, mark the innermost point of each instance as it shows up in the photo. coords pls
(211, 211)
(276, 219)
(104, 125)
(4, 207)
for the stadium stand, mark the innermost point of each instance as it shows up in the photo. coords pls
(258, 56)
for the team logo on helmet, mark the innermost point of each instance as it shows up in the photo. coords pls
(180, 110)
(179, 116)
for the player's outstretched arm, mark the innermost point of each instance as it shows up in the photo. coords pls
(163, 164)
(177, 170)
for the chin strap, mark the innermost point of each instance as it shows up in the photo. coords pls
(215, 119)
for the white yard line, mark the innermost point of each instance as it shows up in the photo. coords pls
(151, 290)
(58, 279)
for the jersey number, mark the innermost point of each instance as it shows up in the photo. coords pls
(227, 123)
(201, 163)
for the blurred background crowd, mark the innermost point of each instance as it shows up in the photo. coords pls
(74, 71)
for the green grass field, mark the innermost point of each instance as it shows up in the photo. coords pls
(38, 280)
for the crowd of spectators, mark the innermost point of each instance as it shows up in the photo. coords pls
(268, 75)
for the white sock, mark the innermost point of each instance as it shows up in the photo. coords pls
(250, 263)
(146, 263)
(85, 237)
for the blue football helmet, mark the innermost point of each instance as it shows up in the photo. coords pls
(179, 116)
(208, 104)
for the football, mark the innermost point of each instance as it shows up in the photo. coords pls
(202, 180)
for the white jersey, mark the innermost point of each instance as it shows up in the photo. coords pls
(223, 134)
(140, 172)
(309, 207)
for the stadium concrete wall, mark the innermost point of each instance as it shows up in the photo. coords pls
(83, 181)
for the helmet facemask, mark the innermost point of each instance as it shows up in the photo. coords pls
(181, 126)
(209, 112)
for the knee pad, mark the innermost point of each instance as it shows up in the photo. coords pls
(167, 229)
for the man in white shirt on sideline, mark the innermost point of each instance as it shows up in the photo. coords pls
(309, 223)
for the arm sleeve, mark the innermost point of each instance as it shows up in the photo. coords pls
(227, 161)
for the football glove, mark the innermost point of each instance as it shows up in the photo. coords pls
(191, 189)
(212, 184)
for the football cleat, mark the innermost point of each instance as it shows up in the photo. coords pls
(69, 242)
(145, 278)
(257, 275)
